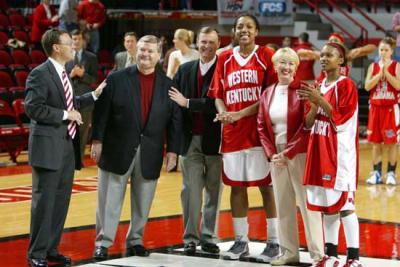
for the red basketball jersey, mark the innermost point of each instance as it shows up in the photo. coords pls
(383, 94)
(332, 155)
(239, 82)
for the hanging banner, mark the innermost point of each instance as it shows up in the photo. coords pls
(268, 12)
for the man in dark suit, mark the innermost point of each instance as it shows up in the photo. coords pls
(131, 121)
(127, 58)
(200, 161)
(82, 70)
(53, 146)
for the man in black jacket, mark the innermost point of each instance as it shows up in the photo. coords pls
(200, 161)
(129, 126)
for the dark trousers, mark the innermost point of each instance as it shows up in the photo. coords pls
(51, 193)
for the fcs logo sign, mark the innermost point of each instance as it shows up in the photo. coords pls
(272, 7)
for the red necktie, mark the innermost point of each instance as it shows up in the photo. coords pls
(70, 104)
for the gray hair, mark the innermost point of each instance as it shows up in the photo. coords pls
(151, 39)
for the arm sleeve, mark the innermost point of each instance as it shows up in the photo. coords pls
(36, 105)
(217, 87)
(265, 139)
(102, 110)
(346, 103)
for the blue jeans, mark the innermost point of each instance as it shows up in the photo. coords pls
(94, 40)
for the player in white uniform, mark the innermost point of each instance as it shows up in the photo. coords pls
(240, 76)
(332, 156)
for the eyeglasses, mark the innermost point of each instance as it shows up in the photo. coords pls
(68, 44)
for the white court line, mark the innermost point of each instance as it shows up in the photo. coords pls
(171, 260)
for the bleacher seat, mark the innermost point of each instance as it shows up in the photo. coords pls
(3, 39)
(4, 22)
(20, 77)
(17, 92)
(21, 57)
(22, 36)
(19, 109)
(5, 59)
(6, 80)
(17, 21)
(37, 57)
(104, 58)
(14, 138)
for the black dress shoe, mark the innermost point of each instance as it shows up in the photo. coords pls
(137, 250)
(59, 258)
(100, 253)
(189, 248)
(210, 247)
(37, 262)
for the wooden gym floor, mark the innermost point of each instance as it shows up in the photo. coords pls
(378, 208)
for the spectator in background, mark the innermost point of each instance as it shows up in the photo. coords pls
(126, 58)
(44, 17)
(91, 16)
(305, 71)
(68, 15)
(83, 73)
(183, 39)
(287, 42)
(234, 42)
(396, 28)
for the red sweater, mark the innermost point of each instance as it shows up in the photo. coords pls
(40, 22)
(92, 12)
(146, 95)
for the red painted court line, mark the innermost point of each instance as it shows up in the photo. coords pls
(377, 239)
(25, 168)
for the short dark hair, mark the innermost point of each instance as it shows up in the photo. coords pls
(77, 32)
(131, 34)
(51, 37)
(304, 37)
(206, 30)
(249, 16)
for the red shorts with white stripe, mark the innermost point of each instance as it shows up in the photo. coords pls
(329, 200)
(383, 124)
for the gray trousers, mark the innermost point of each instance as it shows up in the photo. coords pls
(289, 191)
(111, 193)
(200, 173)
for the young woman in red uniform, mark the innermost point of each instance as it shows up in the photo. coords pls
(383, 83)
(239, 78)
(331, 169)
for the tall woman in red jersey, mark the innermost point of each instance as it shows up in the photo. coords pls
(331, 169)
(284, 138)
(241, 74)
(383, 83)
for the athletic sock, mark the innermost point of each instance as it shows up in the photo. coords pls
(352, 233)
(241, 228)
(272, 230)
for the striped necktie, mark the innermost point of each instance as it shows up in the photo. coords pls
(70, 104)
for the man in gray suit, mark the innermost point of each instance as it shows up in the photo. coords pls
(83, 73)
(132, 121)
(53, 146)
(200, 161)
(127, 58)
